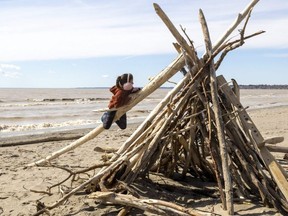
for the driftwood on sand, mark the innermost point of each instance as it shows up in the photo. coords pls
(200, 129)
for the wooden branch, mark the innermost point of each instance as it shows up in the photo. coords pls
(219, 121)
(242, 32)
(238, 20)
(154, 206)
(274, 140)
(190, 41)
(191, 52)
(231, 46)
(273, 148)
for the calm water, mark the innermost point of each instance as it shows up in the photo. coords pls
(30, 110)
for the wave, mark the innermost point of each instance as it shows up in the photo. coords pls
(6, 129)
(47, 125)
(69, 99)
(37, 101)
(40, 117)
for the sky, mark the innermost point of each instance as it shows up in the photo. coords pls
(88, 43)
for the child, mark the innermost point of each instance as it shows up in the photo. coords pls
(121, 91)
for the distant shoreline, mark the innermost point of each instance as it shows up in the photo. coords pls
(263, 86)
(250, 86)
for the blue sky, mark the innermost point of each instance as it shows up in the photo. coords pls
(87, 43)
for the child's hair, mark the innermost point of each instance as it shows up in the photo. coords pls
(124, 78)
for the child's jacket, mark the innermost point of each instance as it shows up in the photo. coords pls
(120, 97)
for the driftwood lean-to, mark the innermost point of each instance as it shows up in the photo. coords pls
(200, 129)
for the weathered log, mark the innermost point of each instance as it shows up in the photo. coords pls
(158, 207)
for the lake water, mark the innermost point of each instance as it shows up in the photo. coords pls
(31, 110)
(24, 110)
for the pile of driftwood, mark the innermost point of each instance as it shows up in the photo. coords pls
(199, 129)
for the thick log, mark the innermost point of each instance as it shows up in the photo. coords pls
(219, 121)
(40, 138)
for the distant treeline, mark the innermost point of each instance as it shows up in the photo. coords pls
(263, 86)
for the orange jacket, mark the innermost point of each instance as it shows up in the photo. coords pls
(120, 97)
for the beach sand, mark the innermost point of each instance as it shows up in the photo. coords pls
(17, 183)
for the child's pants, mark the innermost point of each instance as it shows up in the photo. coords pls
(108, 117)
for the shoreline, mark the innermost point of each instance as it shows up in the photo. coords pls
(49, 136)
(59, 134)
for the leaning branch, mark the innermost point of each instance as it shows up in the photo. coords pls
(219, 121)
(154, 84)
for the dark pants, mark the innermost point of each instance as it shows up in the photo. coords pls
(108, 117)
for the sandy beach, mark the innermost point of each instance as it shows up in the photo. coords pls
(20, 186)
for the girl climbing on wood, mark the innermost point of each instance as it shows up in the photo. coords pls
(121, 91)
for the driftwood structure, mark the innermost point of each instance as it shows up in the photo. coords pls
(199, 129)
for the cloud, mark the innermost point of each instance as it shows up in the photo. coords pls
(9, 66)
(10, 71)
(83, 29)
(105, 76)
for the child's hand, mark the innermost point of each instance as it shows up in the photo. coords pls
(134, 90)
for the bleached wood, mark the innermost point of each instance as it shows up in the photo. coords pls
(218, 119)
(237, 21)
(191, 52)
(155, 206)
